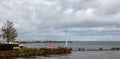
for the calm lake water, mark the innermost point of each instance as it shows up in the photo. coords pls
(79, 44)
(81, 54)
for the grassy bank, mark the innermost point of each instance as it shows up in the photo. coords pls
(24, 52)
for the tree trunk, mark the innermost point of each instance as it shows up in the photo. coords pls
(7, 41)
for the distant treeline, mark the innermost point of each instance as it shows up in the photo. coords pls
(22, 42)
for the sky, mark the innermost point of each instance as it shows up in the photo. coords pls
(82, 20)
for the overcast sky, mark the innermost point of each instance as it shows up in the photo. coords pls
(84, 20)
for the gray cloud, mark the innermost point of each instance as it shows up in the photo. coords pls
(43, 19)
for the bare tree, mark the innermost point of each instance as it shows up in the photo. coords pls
(8, 31)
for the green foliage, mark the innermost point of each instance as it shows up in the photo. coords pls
(28, 51)
(43, 51)
(24, 52)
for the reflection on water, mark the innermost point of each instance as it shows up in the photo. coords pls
(83, 55)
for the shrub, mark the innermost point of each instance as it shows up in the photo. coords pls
(79, 49)
(100, 49)
(112, 48)
(6, 47)
(83, 49)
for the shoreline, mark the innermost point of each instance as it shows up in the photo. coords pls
(26, 52)
(13, 55)
(50, 54)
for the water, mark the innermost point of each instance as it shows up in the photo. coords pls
(80, 54)
(79, 44)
